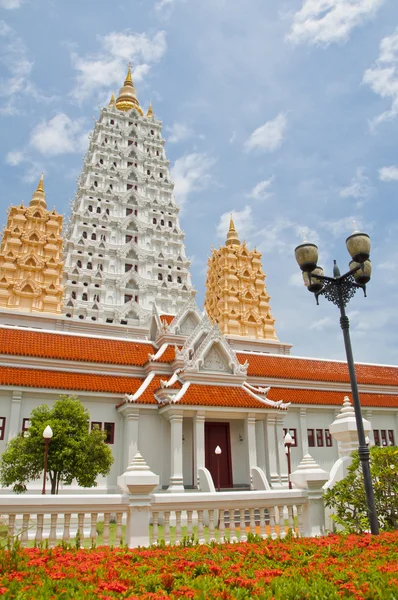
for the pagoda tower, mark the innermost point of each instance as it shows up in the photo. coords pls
(124, 248)
(31, 257)
(236, 298)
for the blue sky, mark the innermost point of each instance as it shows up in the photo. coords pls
(285, 113)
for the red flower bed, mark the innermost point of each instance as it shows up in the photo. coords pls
(333, 567)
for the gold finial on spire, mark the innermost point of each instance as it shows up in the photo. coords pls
(113, 100)
(150, 111)
(232, 236)
(39, 197)
(127, 98)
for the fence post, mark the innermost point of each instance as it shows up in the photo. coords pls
(138, 482)
(311, 477)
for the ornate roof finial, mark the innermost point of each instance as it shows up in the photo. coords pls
(113, 100)
(127, 98)
(150, 111)
(232, 236)
(39, 197)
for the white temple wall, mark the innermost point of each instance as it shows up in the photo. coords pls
(187, 451)
(239, 458)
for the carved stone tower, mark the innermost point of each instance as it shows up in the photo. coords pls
(236, 298)
(31, 257)
(124, 248)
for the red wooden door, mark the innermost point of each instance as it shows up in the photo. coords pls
(217, 434)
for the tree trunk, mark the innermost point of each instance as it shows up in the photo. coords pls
(53, 479)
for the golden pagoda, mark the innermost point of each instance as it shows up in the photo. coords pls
(31, 257)
(127, 98)
(236, 298)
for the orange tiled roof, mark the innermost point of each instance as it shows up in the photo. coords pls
(167, 318)
(168, 355)
(62, 380)
(70, 347)
(148, 396)
(319, 397)
(263, 365)
(217, 395)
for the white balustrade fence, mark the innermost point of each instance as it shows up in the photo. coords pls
(224, 516)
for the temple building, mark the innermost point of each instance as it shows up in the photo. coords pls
(31, 257)
(156, 373)
(124, 248)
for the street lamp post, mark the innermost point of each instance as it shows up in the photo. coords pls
(47, 435)
(339, 290)
(288, 441)
(217, 452)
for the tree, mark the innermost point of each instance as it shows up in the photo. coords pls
(74, 451)
(348, 500)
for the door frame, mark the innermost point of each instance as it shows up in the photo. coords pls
(209, 425)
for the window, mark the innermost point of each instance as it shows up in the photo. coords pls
(293, 433)
(128, 211)
(129, 164)
(154, 221)
(319, 438)
(160, 174)
(96, 425)
(73, 295)
(89, 265)
(98, 209)
(85, 235)
(170, 224)
(169, 278)
(101, 161)
(376, 436)
(129, 186)
(148, 172)
(112, 122)
(84, 297)
(93, 236)
(383, 437)
(391, 439)
(178, 279)
(109, 429)
(162, 222)
(311, 438)
(79, 264)
(2, 427)
(25, 426)
(127, 268)
(128, 238)
(90, 208)
(328, 438)
(160, 277)
(127, 298)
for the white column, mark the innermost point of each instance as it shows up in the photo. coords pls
(303, 432)
(199, 444)
(250, 431)
(13, 427)
(176, 476)
(271, 449)
(260, 444)
(131, 432)
(281, 449)
(368, 416)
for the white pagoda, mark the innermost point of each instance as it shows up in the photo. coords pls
(124, 248)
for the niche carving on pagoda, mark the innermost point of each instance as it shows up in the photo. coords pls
(27, 288)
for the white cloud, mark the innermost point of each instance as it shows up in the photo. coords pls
(179, 132)
(388, 173)
(327, 21)
(359, 188)
(232, 138)
(14, 158)
(261, 190)
(14, 57)
(268, 137)
(296, 279)
(281, 236)
(108, 68)
(59, 135)
(341, 226)
(191, 173)
(243, 220)
(10, 4)
(382, 77)
(322, 324)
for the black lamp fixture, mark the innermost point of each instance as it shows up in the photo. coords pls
(339, 290)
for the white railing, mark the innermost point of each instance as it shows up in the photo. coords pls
(226, 516)
(34, 518)
(141, 520)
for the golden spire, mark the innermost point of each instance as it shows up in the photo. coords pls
(150, 111)
(232, 236)
(127, 98)
(39, 197)
(113, 101)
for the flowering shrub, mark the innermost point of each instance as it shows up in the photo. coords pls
(354, 566)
